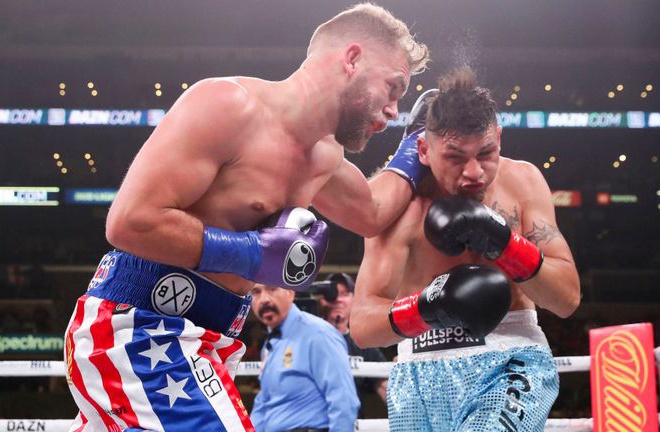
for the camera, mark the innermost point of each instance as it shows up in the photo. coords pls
(308, 302)
(327, 288)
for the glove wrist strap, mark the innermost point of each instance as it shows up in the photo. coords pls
(405, 162)
(405, 318)
(230, 252)
(404, 175)
(521, 259)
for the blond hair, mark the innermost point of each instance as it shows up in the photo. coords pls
(369, 21)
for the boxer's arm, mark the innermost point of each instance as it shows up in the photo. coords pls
(368, 211)
(364, 207)
(378, 281)
(172, 170)
(556, 287)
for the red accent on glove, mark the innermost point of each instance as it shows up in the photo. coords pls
(520, 259)
(405, 316)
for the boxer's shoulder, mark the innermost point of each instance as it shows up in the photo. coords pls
(518, 179)
(228, 98)
(407, 228)
(329, 149)
(514, 171)
(220, 109)
(230, 89)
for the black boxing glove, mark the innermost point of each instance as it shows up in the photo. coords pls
(455, 223)
(475, 297)
(405, 161)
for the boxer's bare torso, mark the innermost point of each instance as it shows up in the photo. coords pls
(424, 262)
(258, 168)
(401, 260)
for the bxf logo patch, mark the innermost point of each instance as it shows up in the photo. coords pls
(173, 294)
(300, 263)
(102, 271)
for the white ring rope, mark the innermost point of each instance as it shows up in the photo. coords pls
(36, 368)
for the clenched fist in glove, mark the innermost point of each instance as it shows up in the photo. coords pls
(405, 161)
(455, 223)
(287, 254)
(475, 297)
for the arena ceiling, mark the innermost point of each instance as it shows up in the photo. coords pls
(521, 30)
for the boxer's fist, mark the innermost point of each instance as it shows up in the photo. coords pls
(455, 223)
(405, 161)
(416, 124)
(472, 296)
(288, 253)
(293, 250)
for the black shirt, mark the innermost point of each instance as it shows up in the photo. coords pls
(364, 385)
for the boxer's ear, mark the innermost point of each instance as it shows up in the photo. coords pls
(423, 150)
(352, 56)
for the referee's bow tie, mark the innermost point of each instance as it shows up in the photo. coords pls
(275, 333)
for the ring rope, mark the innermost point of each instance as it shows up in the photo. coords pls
(36, 368)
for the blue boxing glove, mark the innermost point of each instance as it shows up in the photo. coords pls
(287, 254)
(405, 161)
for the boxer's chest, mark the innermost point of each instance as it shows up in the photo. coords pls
(269, 175)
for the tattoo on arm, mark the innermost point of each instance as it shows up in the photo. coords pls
(542, 233)
(512, 220)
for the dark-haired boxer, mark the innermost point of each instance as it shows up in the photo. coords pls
(455, 281)
(151, 344)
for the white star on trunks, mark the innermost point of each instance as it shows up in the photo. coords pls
(158, 331)
(174, 390)
(156, 353)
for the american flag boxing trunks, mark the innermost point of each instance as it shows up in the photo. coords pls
(151, 347)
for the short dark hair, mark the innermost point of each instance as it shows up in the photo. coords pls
(342, 278)
(461, 107)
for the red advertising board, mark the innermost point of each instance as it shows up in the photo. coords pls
(567, 198)
(623, 390)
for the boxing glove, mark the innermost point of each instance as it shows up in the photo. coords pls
(405, 161)
(472, 296)
(455, 223)
(287, 253)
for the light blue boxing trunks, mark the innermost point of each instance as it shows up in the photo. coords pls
(151, 347)
(447, 381)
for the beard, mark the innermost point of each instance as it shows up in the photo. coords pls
(354, 117)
